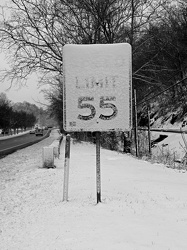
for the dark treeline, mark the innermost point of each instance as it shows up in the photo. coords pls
(11, 119)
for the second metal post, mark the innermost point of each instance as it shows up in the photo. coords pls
(98, 170)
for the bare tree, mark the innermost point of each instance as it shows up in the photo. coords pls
(36, 30)
(31, 36)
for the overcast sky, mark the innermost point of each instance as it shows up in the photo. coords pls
(29, 93)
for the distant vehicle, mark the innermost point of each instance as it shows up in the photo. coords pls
(32, 131)
(39, 131)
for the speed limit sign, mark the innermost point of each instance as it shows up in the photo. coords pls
(97, 87)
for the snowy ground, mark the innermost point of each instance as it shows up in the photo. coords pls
(143, 205)
(174, 144)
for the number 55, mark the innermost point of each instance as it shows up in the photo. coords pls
(104, 104)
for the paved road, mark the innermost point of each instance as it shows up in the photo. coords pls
(14, 141)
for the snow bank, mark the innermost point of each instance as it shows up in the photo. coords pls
(173, 144)
(143, 205)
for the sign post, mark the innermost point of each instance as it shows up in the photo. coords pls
(66, 168)
(98, 169)
(97, 91)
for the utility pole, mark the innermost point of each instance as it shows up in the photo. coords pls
(149, 130)
(135, 124)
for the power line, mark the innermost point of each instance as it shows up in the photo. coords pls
(162, 91)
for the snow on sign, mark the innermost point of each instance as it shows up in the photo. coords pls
(97, 87)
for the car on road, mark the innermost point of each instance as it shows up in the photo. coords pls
(39, 131)
(32, 131)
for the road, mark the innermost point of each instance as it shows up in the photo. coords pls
(15, 141)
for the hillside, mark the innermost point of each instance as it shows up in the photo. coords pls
(168, 148)
(165, 112)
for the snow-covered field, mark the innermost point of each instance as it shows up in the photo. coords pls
(144, 205)
(174, 143)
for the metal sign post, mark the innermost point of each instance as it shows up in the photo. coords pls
(66, 168)
(98, 170)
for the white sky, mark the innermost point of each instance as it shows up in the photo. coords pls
(30, 93)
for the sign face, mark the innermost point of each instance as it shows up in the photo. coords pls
(97, 87)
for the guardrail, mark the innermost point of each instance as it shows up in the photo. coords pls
(11, 150)
(166, 130)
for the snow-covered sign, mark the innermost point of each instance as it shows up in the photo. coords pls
(97, 87)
